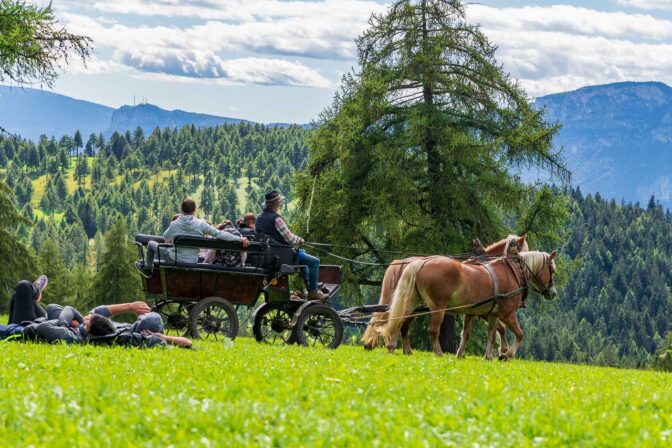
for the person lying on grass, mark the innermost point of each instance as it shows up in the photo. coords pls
(68, 325)
(27, 319)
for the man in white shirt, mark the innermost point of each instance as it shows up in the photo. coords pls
(187, 224)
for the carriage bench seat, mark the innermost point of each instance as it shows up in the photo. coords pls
(144, 239)
(213, 267)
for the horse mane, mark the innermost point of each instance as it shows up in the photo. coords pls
(534, 260)
(506, 242)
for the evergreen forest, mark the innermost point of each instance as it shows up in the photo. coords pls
(79, 203)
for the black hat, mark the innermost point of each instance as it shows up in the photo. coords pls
(273, 196)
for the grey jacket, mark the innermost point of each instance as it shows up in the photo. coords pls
(59, 329)
(192, 226)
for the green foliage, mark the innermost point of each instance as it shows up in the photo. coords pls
(17, 261)
(663, 357)
(251, 395)
(615, 304)
(33, 46)
(417, 152)
(50, 263)
(117, 280)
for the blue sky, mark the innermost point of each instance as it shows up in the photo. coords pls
(281, 60)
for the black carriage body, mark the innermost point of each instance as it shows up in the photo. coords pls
(265, 272)
(185, 292)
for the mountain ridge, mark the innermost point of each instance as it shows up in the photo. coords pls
(616, 138)
(32, 112)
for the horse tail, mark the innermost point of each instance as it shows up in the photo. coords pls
(371, 338)
(402, 300)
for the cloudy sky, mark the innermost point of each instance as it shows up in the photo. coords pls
(281, 60)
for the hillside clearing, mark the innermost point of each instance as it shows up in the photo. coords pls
(256, 395)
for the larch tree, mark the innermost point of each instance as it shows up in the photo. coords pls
(421, 148)
(17, 261)
(116, 280)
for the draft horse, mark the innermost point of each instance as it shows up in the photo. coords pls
(393, 273)
(445, 284)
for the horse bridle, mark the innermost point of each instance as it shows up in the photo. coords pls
(535, 279)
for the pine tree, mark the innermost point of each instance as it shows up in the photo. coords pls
(116, 281)
(415, 152)
(17, 261)
(78, 141)
(50, 263)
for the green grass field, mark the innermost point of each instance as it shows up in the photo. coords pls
(257, 395)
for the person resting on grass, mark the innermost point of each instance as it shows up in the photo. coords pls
(186, 224)
(68, 325)
(28, 320)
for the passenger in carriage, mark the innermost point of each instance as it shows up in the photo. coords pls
(226, 258)
(269, 222)
(247, 226)
(186, 224)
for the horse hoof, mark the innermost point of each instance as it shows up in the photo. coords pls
(408, 353)
(503, 358)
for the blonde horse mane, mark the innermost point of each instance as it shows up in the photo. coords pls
(507, 243)
(534, 260)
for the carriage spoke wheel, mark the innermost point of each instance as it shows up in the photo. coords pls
(175, 316)
(273, 325)
(213, 318)
(319, 326)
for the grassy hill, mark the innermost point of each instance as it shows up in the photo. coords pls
(256, 395)
(39, 183)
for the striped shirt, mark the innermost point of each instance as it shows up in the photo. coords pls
(287, 234)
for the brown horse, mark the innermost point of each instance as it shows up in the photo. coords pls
(445, 284)
(371, 338)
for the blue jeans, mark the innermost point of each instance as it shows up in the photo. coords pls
(310, 273)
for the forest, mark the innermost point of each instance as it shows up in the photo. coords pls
(87, 199)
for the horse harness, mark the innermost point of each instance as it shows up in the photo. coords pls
(515, 263)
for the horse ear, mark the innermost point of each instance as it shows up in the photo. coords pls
(553, 254)
(523, 238)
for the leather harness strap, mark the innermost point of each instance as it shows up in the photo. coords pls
(495, 282)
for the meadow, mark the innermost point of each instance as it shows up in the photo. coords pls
(249, 394)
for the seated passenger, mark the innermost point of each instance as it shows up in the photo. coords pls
(248, 225)
(187, 224)
(226, 257)
(269, 222)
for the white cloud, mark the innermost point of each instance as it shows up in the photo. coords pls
(199, 64)
(661, 5)
(573, 20)
(549, 49)
(323, 29)
(192, 52)
(346, 11)
(552, 49)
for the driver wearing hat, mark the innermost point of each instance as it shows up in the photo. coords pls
(272, 224)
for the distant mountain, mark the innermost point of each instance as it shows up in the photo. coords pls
(31, 113)
(617, 139)
(148, 117)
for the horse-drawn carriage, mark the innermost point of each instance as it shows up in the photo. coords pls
(201, 299)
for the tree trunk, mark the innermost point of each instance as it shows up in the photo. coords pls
(447, 335)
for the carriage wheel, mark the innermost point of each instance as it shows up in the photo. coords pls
(175, 316)
(273, 325)
(319, 325)
(213, 316)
